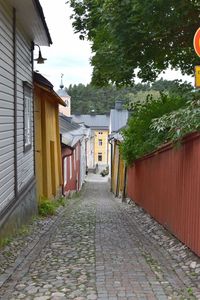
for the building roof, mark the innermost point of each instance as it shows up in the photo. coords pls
(62, 92)
(40, 10)
(33, 21)
(116, 136)
(93, 121)
(118, 119)
(71, 132)
(66, 124)
(37, 77)
(47, 86)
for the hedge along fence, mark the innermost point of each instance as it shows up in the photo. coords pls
(166, 184)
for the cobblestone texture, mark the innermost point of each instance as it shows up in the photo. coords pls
(99, 248)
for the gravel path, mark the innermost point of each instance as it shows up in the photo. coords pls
(98, 248)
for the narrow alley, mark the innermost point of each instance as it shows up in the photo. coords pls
(100, 248)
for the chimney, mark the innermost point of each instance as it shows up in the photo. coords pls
(119, 105)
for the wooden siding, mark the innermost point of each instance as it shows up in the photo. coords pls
(6, 107)
(25, 160)
(101, 149)
(118, 171)
(167, 185)
(73, 182)
(47, 145)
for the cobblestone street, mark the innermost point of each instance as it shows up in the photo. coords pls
(99, 248)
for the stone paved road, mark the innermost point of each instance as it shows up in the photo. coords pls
(95, 250)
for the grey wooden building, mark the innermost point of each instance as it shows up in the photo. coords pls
(22, 26)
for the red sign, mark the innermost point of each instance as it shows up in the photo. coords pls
(197, 42)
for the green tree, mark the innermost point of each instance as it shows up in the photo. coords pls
(126, 35)
(140, 137)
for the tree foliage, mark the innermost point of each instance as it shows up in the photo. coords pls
(159, 120)
(130, 35)
(87, 98)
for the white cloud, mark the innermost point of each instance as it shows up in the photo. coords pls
(68, 54)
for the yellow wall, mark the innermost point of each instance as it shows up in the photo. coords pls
(47, 145)
(118, 171)
(101, 149)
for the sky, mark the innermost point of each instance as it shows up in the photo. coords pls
(69, 55)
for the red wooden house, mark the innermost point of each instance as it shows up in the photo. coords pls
(71, 137)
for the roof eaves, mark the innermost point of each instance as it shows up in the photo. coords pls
(41, 14)
(52, 92)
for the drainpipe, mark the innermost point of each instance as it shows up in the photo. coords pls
(33, 112)
(15, 102)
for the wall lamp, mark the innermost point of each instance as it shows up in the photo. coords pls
(40, 59)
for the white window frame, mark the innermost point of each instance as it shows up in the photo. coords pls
(27, 91)
(100, 154)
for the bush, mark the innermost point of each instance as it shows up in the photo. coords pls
(46, 208)
(148, 126)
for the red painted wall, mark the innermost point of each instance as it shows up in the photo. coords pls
(167, 185)
(73, 182)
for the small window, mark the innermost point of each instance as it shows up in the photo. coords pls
(100, 142)
(99, 156)
(100, 132)
(27, 116)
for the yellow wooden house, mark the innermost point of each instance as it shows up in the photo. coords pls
(47, 139)
(101, 147)
(118, 120)
(99, 125)
(118, 167)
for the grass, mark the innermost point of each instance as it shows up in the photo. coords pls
(190, 291)
(5, 241)
(48, 207)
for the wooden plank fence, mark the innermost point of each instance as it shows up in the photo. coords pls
(166, 184)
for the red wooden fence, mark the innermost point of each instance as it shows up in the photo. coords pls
(166, 184)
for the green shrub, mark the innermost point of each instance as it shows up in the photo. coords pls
(157, 121)
(5, 241)
(46, 208)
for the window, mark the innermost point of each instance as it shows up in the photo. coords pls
(99, 156)
(27, 115)
(100, 142)
(65, 170)
(100, 132)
